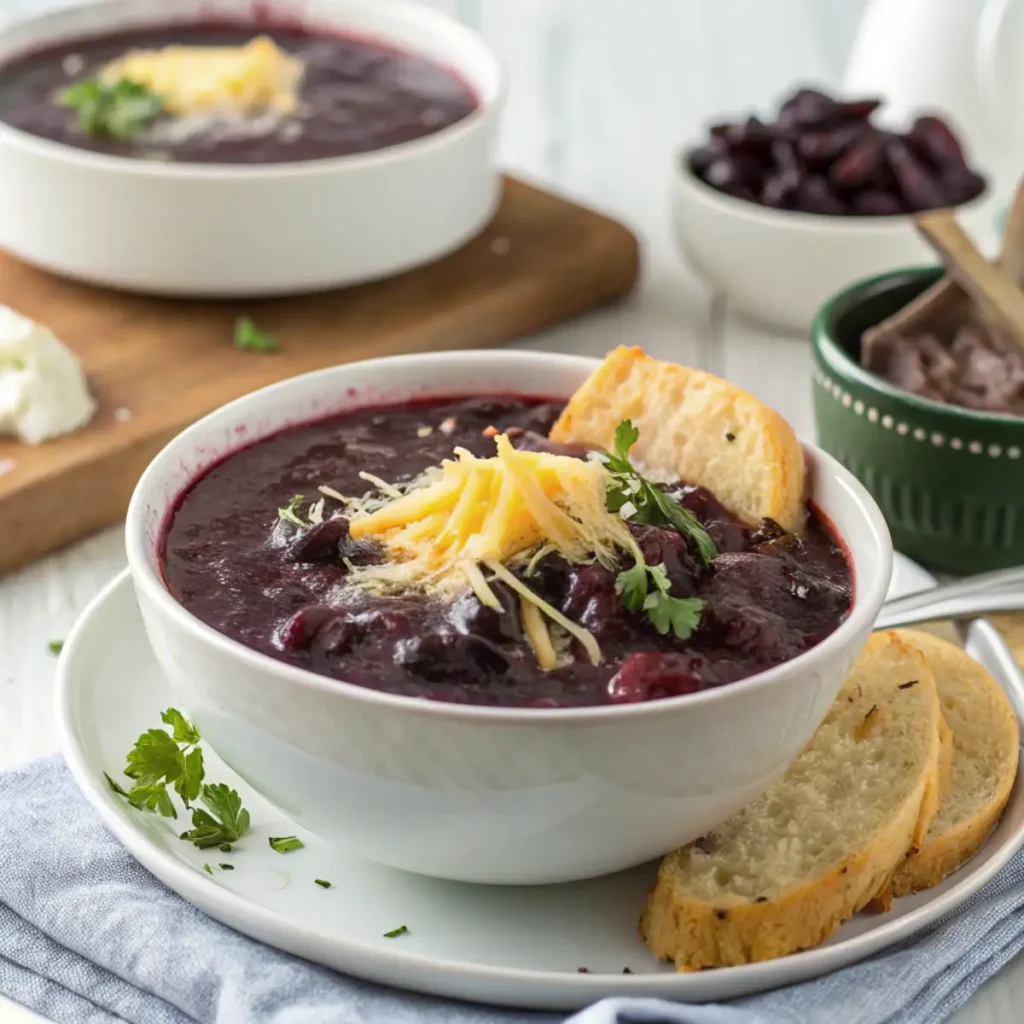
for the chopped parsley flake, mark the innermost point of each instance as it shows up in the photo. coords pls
(322, 882)
(249, 338)
(56, 646)
(112, 110)
(395, 932)
(285, 844)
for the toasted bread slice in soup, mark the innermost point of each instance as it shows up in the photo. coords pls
(986, 741)
(693, 427)
(787, 870)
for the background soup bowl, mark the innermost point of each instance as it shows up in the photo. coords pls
(949, 480)
(471, 793)
(232, 230)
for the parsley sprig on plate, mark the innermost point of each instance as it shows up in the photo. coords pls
(112, 110)
(160, 759)
(249, 338)
(647, 588)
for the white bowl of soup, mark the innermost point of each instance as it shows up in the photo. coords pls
(256, 151)
(426, 735)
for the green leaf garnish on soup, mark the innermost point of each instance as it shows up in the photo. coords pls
(112, 110)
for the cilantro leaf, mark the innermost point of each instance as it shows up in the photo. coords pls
(395, 932)
(56, 646)
(189, 784)
(116, 787)
(249, 338)
(152, 797)
(154, 757)
(290, 512)
(226, 804)
(208, 869)
(637, 500)
(626, 435)
(632, 585)
(681, 615)
(284, 844)
(112, 110)
(184, 730)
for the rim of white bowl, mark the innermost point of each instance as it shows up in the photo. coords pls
(486, 109)
(684, 177)
(874, 563)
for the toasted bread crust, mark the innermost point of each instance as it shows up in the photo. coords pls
(693, 427)
(938, 855)
(696, 934)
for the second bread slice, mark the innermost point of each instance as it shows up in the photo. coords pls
(785, 872)
(986, 742)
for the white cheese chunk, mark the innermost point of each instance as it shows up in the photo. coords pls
(43, 392)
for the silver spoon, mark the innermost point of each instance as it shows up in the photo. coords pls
(999, 591)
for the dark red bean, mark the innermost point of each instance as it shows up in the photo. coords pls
(824, 156)
(808, 108)
(960, 185)
(858, 110)
(751, 138)
(856, 166)
(918, 189)
(821, 148)
(815, 195)
(732, 174)
(932, 139)
(650, 675)
(785, 156)
(780, 189)
(875, 204)
(702, 158)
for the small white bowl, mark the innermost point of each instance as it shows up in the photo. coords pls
(779, 267)
(478, 794)
(229, 230)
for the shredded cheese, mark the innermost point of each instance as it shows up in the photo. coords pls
(538, 635)
(513, 508)
(258, 77)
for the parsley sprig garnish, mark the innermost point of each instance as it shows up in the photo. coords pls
(160, 759)
(224, 821)
(290, 512)
(112, 110)
(637, 500)
(647, 588)
(681, 615)
(250, 338)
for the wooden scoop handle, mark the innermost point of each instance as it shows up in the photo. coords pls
(997, 298)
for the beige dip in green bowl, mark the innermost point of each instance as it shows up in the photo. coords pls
(949, 480)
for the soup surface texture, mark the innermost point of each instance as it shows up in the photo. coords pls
(233, 562)
(352, 96)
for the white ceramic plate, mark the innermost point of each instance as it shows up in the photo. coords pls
(514, 946)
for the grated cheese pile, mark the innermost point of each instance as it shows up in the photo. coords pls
(252, 79)
(489, 513)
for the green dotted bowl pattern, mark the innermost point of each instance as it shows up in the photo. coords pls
(950, 481)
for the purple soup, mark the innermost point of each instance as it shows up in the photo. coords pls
(280, 589)
(356, 96)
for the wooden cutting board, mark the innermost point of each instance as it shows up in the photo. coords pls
(157, 365)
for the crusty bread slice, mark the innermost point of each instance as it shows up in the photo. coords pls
(986, 741)
(787, 870)
(693, 427)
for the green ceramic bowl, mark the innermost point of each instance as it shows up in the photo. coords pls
(950, 481)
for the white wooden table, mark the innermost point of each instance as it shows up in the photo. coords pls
(603, 94)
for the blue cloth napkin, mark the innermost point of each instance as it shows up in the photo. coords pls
(88, 936)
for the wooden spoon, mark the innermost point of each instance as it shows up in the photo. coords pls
(999, 300)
